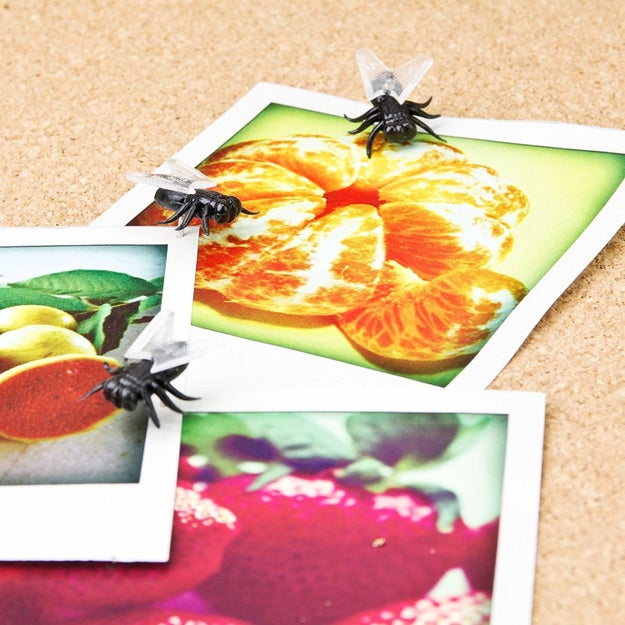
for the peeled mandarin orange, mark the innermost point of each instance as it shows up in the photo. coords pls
(328, 162)
(249, 180)
(434, 238)
(328, 219)
(329, 266)
(56, 408)
(409, 321)
(394, 161)
(462, 183)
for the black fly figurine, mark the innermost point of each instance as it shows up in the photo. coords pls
(186, 192)
(157, 360)
(397, 118)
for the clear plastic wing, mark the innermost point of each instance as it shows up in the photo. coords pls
(378, 79)
(183, 178)
(164, 181)
(179, 168)
(158, 344)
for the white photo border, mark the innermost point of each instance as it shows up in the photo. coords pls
(515, 329)
(520, 502)
(107, 522)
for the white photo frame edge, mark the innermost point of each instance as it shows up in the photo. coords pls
(517, 543)
(509, 337)
(77, 524)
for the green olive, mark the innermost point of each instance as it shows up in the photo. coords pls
(16, 317)
(37, 341)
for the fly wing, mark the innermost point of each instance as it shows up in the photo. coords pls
(164, 181)
(175, 353)
(411, 73)
(158, 344)
(378, 79)
(158, 332)
(197, 179)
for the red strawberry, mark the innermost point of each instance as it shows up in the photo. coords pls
(18, 607)
(471, 609)
(312, 551)
(201, 532)
(479, 563)
(157, 616)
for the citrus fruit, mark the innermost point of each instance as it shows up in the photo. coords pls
(327, 220)
(250, 180)
(461, 184)
(15, 317)
(36, 341)
(329, 163)
(409, 322)
(434, 238)
(327, 266)
(394, 161)
(42, 399)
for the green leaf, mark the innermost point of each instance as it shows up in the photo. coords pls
(95, 284)
(203, 431)
(15, 296)
(92, 326)
(300, 443)
(391, 437)
(364, 471)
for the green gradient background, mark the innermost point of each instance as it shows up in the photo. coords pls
(566, 188)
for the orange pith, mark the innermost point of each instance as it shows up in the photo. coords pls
(56, 408)
(398, 251)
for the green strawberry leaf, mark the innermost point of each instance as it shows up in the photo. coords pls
(300, 443)
(203, 432)
(444, 501)
(93, 284)
(15, 296)
(364, 471)
(391, 437)
(273, 472)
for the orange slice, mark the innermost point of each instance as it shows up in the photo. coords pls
(434, 238)
(328, 162)
(250, 180)
(327, 266)
(462, 183)
(394, 161)
(409, 322)
(56, 408)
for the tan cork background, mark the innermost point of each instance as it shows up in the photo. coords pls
(93, 89)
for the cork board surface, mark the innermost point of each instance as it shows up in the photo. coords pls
(94, 89)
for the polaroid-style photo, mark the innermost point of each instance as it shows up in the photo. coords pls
(342, 504)
(80, 478)
(431, 260)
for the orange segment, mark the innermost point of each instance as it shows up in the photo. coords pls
(328, 266)
(56, 409)
(408, 319)
(250, 180)
(462, 183)
(329, 163)
(432, 239)
(394, 161)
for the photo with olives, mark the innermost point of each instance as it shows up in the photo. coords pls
(72, 301)
(407, 262)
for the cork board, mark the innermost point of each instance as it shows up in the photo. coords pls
(93, 90)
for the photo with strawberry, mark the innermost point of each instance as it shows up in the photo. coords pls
(322, 518)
